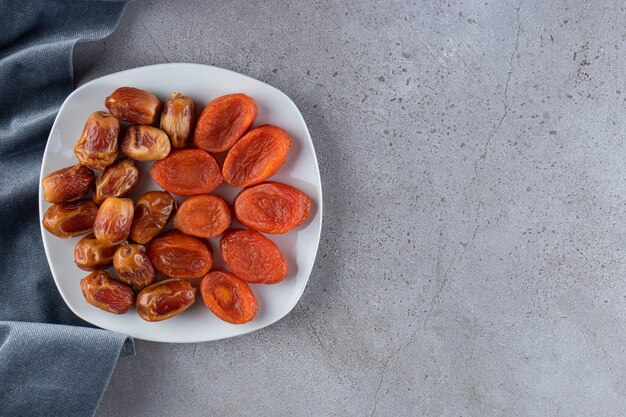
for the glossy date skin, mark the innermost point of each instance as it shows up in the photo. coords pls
(67, 220)
(91, 254)
(133, 266)
(152, 211)
(177, 255)
(97, 146)
(68, 184)
(178, 120)
(134, 105)
(113, 221)
(165, 299)
(117, 180)
(102, 291)
(144, 143)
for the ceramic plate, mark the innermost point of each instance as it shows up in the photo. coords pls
(202, 83)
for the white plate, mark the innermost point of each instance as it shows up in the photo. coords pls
(202, 83)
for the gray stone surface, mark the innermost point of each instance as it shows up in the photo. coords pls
(472, 258)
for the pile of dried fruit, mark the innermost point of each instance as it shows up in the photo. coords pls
(184, 166)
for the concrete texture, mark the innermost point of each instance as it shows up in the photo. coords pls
(472, 258)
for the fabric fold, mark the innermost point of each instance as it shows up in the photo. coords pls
(51, 362)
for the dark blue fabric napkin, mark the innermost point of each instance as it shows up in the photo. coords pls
(49, 364)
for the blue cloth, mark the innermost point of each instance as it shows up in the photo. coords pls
(49, 364)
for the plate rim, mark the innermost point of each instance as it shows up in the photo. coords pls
(42, 209)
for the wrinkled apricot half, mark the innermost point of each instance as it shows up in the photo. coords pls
(177, 255)
(257, 156)
(187, 172)
(203, 216)
(228, 297)
(253, 257)
(272, 207)
(224, 121)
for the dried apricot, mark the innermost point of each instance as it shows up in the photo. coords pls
(113, 221)
(68, 184)
(272, 207)
(228, 297)
(253, 257)
(117, 180)
(165, 299)
(97, 146)
(67, 220)
(144, 143)
(257, 156)
(91, 254)
(177, 255)
(152, 211)
(187, 172)
(224, 121)
(178, 119)
(134, 105)
(133, 266)
(102, 291)
(203, 216)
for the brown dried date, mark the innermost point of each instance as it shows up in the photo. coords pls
(144, 143)
(178, 119)
(133, 266)
(165, 299)
(102, 291)
(152, 211)
(97, 146)
(91, 254)
(134, 105)
(117, 180)
(68, 184)
(67, 220)
(178, 255)
(113, 220)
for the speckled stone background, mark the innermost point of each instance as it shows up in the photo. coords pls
(472, 258)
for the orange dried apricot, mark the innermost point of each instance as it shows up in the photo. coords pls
(272, 207)
(228, 297)
(187, 172)
(253, 257)
(257, 156)
(224, 121)
(203, 216)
